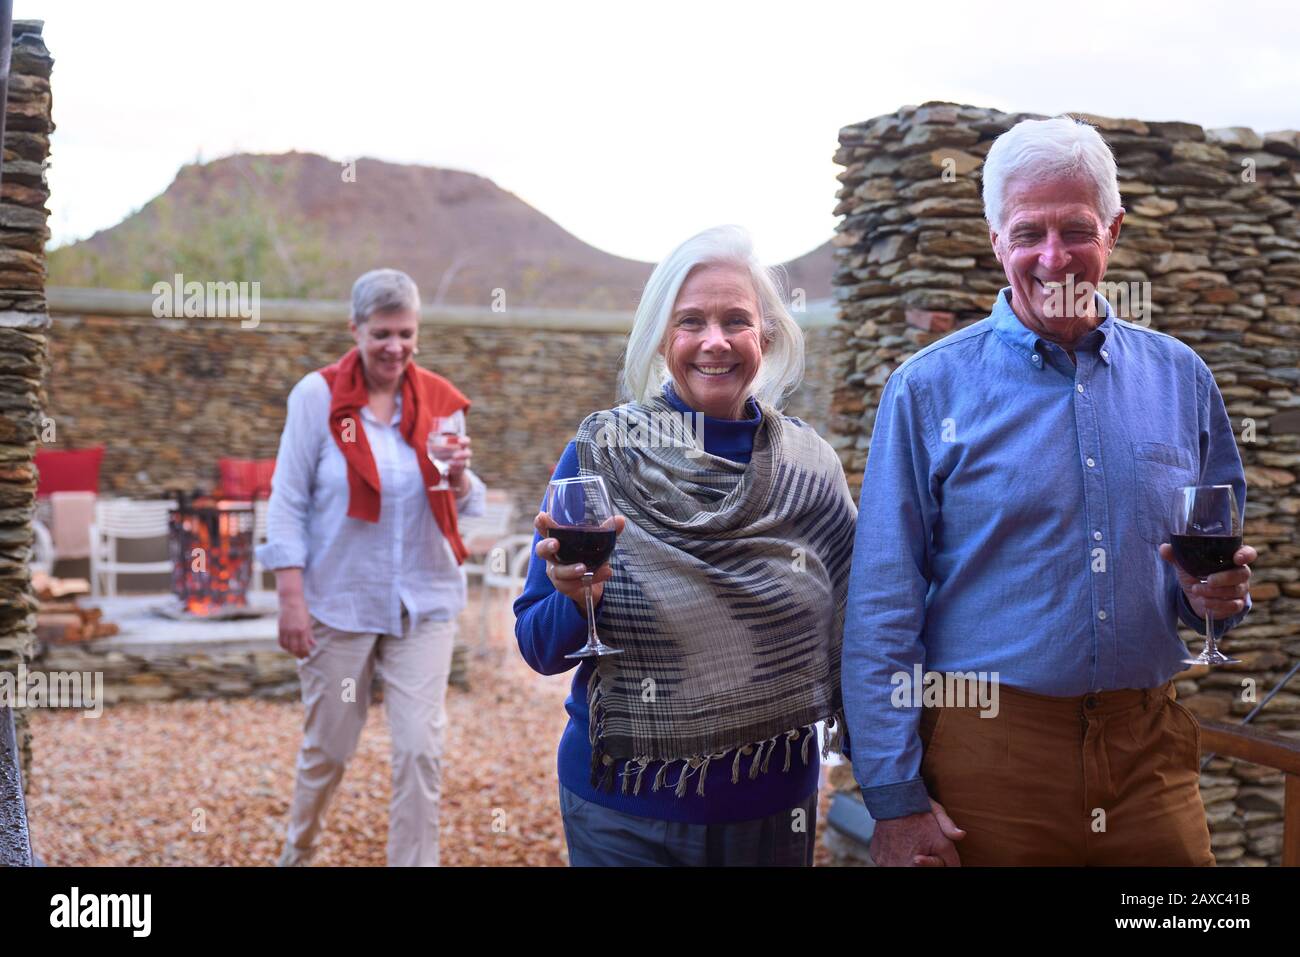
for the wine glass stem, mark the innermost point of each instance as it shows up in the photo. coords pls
(1211, 648)
(592, 639)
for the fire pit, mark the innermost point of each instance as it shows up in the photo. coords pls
(211, 547)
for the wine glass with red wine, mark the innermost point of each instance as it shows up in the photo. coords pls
(444, 439)
(581, 519)
(1206, 534)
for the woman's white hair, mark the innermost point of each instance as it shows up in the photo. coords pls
(1039, 150)
(383, 290)
(644, 369)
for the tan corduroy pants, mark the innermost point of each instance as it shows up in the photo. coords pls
(335, 681)
(1105, 779)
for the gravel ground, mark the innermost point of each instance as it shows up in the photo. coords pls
(209, 782)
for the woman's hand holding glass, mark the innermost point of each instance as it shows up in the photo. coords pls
(458, 463)
(448, 448)
(567, 579)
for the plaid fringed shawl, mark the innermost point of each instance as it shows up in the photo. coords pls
(727, 596)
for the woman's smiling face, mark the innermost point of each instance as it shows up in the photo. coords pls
(714, 344)
(387, 341)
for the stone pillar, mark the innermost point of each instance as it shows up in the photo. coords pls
(23, 325)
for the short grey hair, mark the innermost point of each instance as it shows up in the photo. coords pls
(644, 369)
(1040, 150)
(383, 290)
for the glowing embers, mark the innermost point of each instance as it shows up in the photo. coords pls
(211, 547)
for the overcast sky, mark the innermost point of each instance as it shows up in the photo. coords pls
(631, 124)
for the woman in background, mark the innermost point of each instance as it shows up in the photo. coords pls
(366, 554)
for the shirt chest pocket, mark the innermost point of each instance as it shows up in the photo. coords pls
(1159, 470)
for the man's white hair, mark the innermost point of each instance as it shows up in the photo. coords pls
(644, 369)
(1035, 151)
(383, 290)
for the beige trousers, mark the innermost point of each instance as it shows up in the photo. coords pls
(335, 681)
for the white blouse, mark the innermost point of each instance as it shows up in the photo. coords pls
(357, 575)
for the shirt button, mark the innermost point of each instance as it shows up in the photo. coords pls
(1097, 535)
(1105, 354)
(1079, 386)
(1036, 358)
(1102, 614)
(1090, 462)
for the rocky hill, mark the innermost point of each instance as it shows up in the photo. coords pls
(306, 226)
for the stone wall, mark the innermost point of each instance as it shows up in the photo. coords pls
(823, 357)
(23, 325)
(1211, 223)
(200, 672)
(169, 397)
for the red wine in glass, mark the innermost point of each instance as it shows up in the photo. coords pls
(581, 518)
(590, 546)
(1205, 555)
(1206, 534)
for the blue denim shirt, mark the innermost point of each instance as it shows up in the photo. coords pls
(1011, 511)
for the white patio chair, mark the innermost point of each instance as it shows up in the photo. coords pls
(43, 557)
(506, 568)
(43, 547)
(260, 508)
(481, 532)
(118, 519)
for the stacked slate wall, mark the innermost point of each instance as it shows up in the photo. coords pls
(167, 398)
(23, 328)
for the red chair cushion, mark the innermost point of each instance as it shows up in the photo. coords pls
(245, 479)
(68, 470)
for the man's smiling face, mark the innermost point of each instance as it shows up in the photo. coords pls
(1051, 232)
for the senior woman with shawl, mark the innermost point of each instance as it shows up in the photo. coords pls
(725, 594)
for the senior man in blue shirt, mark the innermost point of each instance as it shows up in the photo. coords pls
(1014, 524)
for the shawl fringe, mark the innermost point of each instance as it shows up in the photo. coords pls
(602, 764)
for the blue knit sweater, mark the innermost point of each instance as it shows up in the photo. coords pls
(549, 625)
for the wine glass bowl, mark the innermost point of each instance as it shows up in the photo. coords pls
(1205, 535)
(580, 517)
(584, 545)
(444, 439)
